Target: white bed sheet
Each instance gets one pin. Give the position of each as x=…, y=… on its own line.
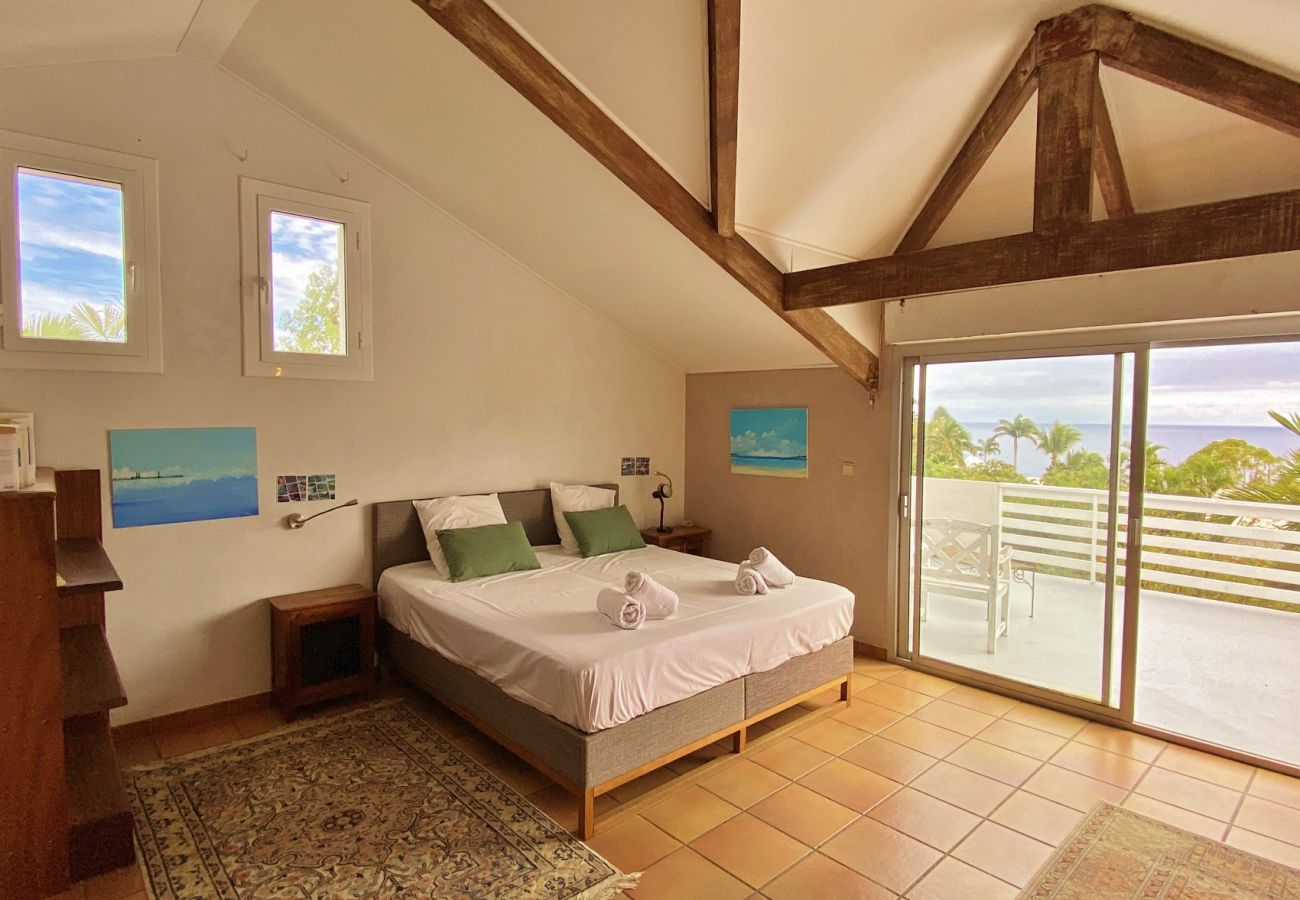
x=537, y=635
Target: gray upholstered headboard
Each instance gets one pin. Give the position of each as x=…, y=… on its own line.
x=398, y=538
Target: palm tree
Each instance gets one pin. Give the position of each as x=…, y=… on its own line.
x=1057, y=440
x=988, y=447
x=51, y=326
x=1017, y=428
x=947, y=439
x=1284, y=485
x=100, y=323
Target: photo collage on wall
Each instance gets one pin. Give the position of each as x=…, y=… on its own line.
x=634, y=465
x=300, y=488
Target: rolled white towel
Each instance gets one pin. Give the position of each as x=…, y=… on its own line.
x=660, y=602
x=749, y=582
x=772, y=569
x=622, y=609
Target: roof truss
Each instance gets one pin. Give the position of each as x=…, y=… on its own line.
x=1075, y=141
x=489, y=37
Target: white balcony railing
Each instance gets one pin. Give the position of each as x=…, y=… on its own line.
x=1203, y=546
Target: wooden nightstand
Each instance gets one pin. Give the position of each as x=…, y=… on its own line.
x=322, y=645
x=683, y=538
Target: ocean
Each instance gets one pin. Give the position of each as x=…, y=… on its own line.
x=161, y=502
x=1179, y=441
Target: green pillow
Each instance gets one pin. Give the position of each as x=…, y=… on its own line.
x=608, y=530
x=486, y=550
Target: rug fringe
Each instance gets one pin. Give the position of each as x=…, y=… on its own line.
x=611, y=887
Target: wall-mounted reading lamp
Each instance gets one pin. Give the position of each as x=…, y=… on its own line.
x=297, y=520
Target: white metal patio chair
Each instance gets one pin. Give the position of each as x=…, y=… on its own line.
x=962, y=559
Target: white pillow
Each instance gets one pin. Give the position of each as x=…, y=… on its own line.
x=576, y=498
x=455, y=512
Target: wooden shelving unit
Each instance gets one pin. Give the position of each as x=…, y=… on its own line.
x=61, y=770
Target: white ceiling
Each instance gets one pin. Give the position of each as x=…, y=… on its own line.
x=849, y=112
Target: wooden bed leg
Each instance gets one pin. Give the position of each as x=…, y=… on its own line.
x=739, y=740
x=587, y=815
x=846, y=690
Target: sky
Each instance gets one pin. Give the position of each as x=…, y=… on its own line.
x=769, y=432
x=1226, y=384
x=299, y=246
x=70, y=243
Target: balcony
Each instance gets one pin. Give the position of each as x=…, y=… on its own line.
x=1220, y=606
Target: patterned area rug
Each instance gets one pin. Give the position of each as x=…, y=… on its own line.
x=372, y=803
x=1115, y=854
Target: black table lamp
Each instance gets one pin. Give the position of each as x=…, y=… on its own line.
x=662, y=493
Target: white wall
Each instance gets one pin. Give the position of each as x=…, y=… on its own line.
x=486, y=377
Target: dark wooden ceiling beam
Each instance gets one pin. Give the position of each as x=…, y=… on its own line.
x=1248, y=226
x=1063, y=156
x=489, y=37
x=724, y=107
x=1107, y=162
x=1007, y=103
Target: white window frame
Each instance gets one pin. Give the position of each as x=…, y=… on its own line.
x=138, y=177
x=257, y=200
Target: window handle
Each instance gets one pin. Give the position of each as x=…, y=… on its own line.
x=263, y=289
x=130, y=274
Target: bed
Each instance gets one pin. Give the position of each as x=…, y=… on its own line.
x=526, y=659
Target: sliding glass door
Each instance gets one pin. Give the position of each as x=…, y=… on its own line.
x=1017, y=496
x=1118, y=531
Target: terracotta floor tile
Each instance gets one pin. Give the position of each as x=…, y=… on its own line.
x=688, y=813
x=921, y=816
x=1097, y=763
x=1269, y=819
x=562, y=806
x=818, y=877
x=258, y=721
x=483, y=749
x=1022, y=739
x=743, y=783
x=198, y=737
x=705, y=754
x=1214, y=769
x=1044, y=719
x=894, y=761
x=984, y=701
x=922, y=683
x=1037, y=817
x=1072, y=789
x=750, y=849
x=633, y=844
x=1003, y=853
x=1267, y=847
x=884, y=855
x=892, y=696
x=832, y=736
x=1176, y=816
x=115, y=885
x=849, y=785
x=929, y=739
x=971, y=791
x=953, y=878
x=862, y=682
x=785, y=717
x=875, y=668
x=1116, y=740
x=805, y=815
x=523, y=777
x=1189, y=793
x=791, y=758
x=685, y=875
x=136, y=751
x=953, y=717
x=1279, y=788
x=867, y=716
x=996, y=762
x=828, y=697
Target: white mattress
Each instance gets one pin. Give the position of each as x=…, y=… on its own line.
x=537, y=635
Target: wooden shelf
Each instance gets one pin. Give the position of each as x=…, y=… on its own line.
x=99, y=817
x=84, y=567
x=90, y=680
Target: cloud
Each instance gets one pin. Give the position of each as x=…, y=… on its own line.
x=50, y=235
x=769, y=443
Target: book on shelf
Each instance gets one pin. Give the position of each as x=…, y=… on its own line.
x=26, y=423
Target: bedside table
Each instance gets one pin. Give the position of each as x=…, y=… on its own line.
x=322, y=645
x=692, y=539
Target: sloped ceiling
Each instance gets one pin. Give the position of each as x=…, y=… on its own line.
x=849, y=112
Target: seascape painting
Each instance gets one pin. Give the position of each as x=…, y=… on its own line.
x=770, y=442
x=166, y=475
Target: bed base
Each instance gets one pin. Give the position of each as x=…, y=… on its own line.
x=589, y=765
